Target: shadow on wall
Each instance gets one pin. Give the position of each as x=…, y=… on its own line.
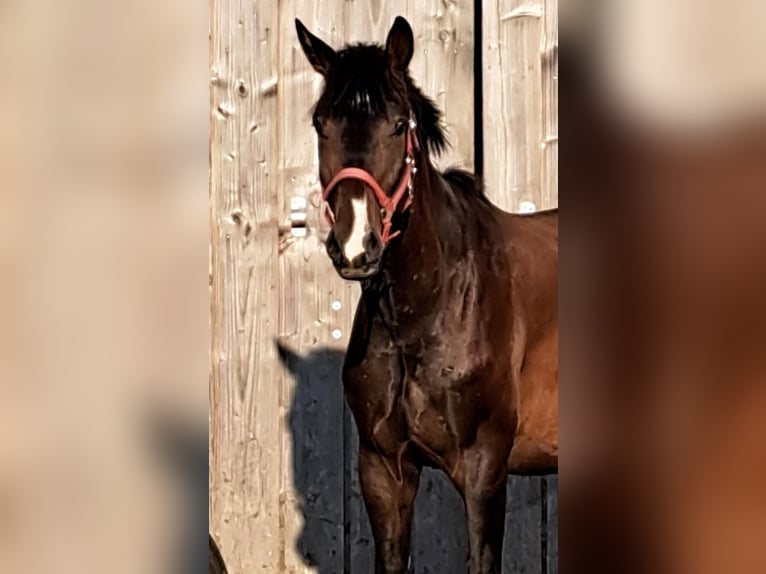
x=215, y=559
x=182, y=449
x=318, y=452
x=335, y=536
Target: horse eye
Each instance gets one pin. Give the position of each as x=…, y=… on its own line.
x=318, y=127
x=400, y=125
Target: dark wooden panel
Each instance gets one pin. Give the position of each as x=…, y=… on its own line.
x=360, y=549
x=315, y=421
x=439, y=534
x=552, y=507
x=523, y=523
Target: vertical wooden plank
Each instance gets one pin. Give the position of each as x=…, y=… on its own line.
x=512, y=104
x=443, y=67
x=245, y=433
x=550, y=92
x=316, y=311
x=523, y=527
x=439, y=534
x=360, y=548
x=552, y=518
x=313, y=473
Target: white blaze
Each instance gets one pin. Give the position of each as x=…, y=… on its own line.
x=354, y=245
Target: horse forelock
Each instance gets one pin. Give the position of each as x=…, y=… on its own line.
x=360, y=82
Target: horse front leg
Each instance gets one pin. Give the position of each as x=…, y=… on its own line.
x=390, y=504
x=484, y=492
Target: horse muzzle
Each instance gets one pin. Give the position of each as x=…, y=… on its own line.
x=361, y=266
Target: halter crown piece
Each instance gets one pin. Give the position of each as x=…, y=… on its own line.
x=389, y=204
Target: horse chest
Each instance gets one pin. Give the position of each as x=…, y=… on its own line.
x=428, y=420
x=423, y=409
x=432, y=394
x=440, y=407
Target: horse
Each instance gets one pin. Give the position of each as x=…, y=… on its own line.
x=452, y=361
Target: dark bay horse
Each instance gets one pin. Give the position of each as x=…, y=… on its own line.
x=453, y=358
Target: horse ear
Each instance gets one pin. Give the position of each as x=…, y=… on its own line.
x=400, y=44
x=287, y=356
x=320, y=55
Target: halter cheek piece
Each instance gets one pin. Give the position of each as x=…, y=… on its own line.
x=389, y=205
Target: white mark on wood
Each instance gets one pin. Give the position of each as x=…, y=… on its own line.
x=354, y=245
x=297, y=203
x=225, y=110
x=527, y=207
x=298, y=217
x=337, y=334
x=268, y=88
x=524, y=11
x=336, y=305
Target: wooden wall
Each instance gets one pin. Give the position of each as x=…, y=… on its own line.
x=520, y=102
x=284, y=492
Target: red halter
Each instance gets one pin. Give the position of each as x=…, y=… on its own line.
x=388, y=204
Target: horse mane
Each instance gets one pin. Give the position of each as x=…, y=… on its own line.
x=470, y=184
x=353, y=87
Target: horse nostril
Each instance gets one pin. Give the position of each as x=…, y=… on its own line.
x=333, y=248
x=373, y=246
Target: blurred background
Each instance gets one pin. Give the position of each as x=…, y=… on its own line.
x=663, y=355
x=103, y=298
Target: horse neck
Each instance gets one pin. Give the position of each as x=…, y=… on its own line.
x=416, y=265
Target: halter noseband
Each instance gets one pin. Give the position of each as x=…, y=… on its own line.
x=389, y=205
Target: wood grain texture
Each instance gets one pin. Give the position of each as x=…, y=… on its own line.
x=440, y=537
x=552, y=527
x=245, y=426
x=550, y=98
x=314, y=304
x=523, y=526
x=514, y=130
